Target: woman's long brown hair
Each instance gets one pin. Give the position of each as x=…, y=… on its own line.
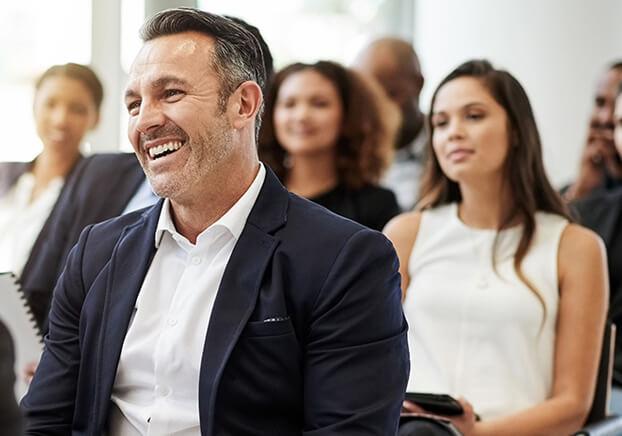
x=523, y=169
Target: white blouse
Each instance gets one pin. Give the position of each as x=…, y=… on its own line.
x=473, y=332
x=21, y=221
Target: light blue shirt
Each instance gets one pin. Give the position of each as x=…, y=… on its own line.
x=143, y=197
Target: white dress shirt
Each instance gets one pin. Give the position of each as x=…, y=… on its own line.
x=156, y=389
x=21, y=220
x=404, y=175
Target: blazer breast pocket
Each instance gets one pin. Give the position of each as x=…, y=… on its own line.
x=267, y=328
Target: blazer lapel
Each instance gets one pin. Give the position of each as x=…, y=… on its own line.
x=238, y=291
x=128, y=266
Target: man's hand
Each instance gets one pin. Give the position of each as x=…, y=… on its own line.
x=29, y=371
x=599, y=158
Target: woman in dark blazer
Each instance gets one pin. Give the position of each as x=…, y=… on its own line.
x=328, y=134
x=66, y=106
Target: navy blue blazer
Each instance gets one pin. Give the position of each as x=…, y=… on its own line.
x=335, y=362
x=98, y=188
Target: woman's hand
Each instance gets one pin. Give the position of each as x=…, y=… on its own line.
x=465, y=423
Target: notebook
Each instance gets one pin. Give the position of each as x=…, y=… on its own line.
x=27, y=339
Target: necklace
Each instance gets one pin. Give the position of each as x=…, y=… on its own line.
x=483, y=273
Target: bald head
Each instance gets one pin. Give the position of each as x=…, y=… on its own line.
x=389, y=53
x=395, y=65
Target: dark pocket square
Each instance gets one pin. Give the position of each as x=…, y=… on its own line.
x=268, y=327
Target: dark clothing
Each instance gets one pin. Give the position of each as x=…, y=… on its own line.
x=98, y=188
x=10, y=172
x=371, y=206
x=424, y=426
x=602, y=213
x=10, y=416
x=329, y=287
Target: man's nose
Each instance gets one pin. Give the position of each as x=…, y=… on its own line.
x=149, y=117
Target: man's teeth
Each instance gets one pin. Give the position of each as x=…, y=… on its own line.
x=169, y=147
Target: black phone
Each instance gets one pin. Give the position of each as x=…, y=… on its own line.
x=440, y=404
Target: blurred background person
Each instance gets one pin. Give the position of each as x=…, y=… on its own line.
x=506, y=300
x=66, y=107
x=601, y=211
x=395, y=65
x=328, y=135
x=10, y=416
x=600, y=167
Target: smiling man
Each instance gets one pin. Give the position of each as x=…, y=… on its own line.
x=232, y=306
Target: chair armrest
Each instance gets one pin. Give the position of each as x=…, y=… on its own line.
x=609, y=426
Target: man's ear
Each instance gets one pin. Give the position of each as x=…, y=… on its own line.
x=245, y=104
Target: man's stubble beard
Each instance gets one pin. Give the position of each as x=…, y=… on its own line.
x=207, y=153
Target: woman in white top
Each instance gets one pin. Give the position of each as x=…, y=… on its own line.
x=505, y=299
x=66, y=106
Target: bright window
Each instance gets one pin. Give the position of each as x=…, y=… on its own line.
x=31, y=40
x=308, y=30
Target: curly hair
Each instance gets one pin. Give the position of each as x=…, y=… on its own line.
x=370, y=123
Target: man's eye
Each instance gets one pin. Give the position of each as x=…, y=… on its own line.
x=171, y=93
x=133, y=107
x=599, y=101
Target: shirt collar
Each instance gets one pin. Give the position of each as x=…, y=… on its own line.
x=233, y=220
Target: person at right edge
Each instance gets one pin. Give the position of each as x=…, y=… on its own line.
x=602, y=212
x=506, y=298
x=600, y=168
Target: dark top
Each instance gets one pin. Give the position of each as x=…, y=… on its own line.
x=10, y=417
x=602, y=213
x=371, y=206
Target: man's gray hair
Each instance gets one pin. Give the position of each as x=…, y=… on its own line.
x=237, y=53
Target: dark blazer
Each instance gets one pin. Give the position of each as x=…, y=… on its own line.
x=10, y=172
x=10, y=416
x=335, y=362
x=98, y=188
x=602, y=213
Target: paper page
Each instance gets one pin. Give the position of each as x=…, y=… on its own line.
x=15, y=314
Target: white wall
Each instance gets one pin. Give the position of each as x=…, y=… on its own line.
x=556, y=49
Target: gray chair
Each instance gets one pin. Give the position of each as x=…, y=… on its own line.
x=599, y=422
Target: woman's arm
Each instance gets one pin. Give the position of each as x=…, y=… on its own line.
x=583, y=301
x=402, y=232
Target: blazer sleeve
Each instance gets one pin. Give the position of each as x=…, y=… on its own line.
x=357, y=360
x=48, y=407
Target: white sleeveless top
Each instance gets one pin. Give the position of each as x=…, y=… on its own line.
x=475, y=333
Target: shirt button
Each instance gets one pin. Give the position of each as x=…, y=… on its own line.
x=172, y=322
x=162, y=391
x=196, y=260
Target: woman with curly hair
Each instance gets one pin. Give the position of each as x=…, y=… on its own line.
x=328, y=134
